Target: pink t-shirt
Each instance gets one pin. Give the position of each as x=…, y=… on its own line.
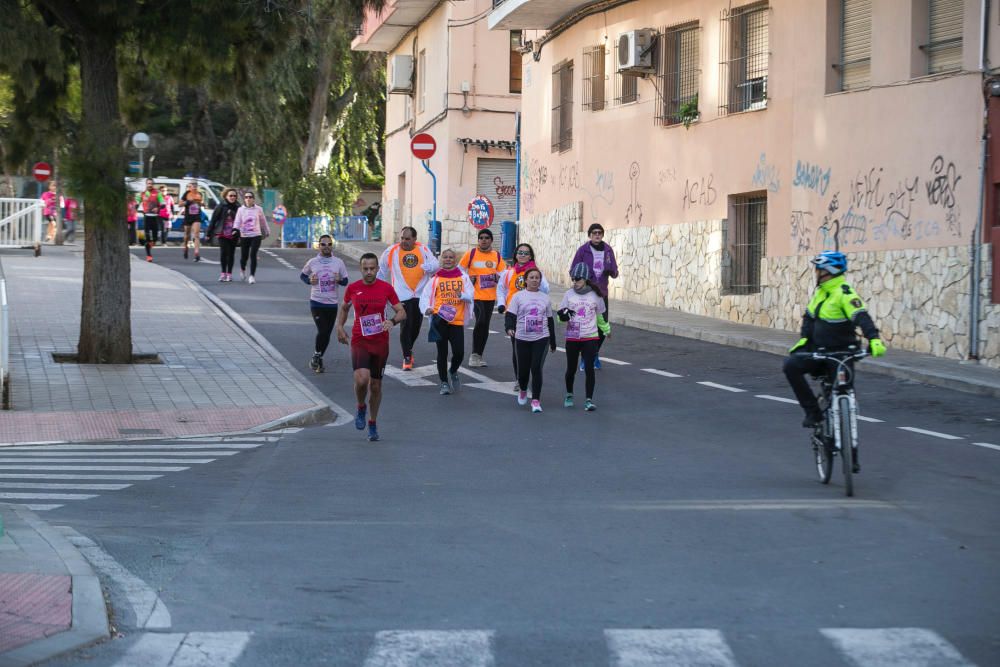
x=586, y=307
x=533, y=311
x=328, y=271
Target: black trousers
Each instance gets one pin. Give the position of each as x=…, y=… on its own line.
x=453, y=335
x=483, y=311
x=796, y=369
x=410, y=328
x=151, y=229
x=248, y=250
x=227, y=254
x=587, y=348
x=324, y=318
x=530, y=359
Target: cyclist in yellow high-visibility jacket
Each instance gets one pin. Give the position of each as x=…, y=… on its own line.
x=830, y=322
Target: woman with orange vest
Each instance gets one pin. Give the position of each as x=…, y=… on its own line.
x=511, y=282
x=406, y=266
x=483, y=265
x=445, y=299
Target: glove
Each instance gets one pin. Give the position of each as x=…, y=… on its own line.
x=565, y=314
x=501, y=309
x=801, y=343
x=876, y=347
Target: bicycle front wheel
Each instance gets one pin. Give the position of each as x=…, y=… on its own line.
x=846, y=442
x=823, y=453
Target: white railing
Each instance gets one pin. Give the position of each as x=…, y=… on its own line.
x=20, y=222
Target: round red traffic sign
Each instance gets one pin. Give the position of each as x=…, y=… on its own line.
x=423, y=146
x=481, y=212
x=42, y=171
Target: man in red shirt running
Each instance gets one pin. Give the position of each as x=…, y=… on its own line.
x=369, y=337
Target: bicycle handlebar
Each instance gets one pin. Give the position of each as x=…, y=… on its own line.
x=839, y=357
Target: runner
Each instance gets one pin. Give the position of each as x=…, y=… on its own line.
x=251, y=226
x=483, y=265
x=582, y=308
x=406, y=266
x=166, y=214
x=600, y=257
x=50, y=201
x=444, y=299
x=191, y=204
x=512, y=282
x=323, y=273
x=369, y=337
x=528, y=322
x=131, y=219
x=150, y=202
x=223, y=219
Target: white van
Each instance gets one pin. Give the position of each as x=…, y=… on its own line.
x=211, y=196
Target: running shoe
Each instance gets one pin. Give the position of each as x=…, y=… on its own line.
x=185, y=253
x=372, y=432
x=229, y=278
x=222, y=277
x=316, y=363
x=243, y=274
x=408, y=363
x=581, y=364
x=445, y=389
x=359, y=418
x=522, y=397
x=456, y=382
x=589, y=406
x=536, y=405
x=475, y=361
x=197, y=257
x=251, y=280
x=568, y=401
x=149, y=258
x=597, y=363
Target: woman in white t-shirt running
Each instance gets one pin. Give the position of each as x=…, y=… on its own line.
x=528, y=321
x=583, y=310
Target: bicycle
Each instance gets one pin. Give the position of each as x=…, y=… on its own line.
x=839, y=406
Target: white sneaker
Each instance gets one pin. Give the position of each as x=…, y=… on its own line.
x=475, y=361
x=243, y=274
x=222, y=278
x=251, y=280
x=522, y=397
x=536, y=406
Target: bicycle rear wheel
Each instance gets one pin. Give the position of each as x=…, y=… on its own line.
x=846, y=441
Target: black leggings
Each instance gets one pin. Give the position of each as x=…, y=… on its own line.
x=410, y=328
x=227, y=254
x=574, y=348
x=530, y=359
x=151, y=229
x=324, y=318
x=483, y=310
x=248, y=248
x=453, y=334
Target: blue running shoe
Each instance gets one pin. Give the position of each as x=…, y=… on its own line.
x=372, y=432
x=581, y=364
x=597, y=363
x=359, y=419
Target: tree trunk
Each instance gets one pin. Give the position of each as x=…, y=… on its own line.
x=319, y=127
x=105, y=324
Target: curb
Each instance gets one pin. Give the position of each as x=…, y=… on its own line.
x=90, y=616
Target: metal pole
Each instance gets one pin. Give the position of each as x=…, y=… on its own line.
x=517, y=153
x=434, y=214
x=142, y=165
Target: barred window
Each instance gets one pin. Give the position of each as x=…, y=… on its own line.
x=626, y=83
x=855, y=67
x=678, y=74
x=594, y=59
x=944, y=48
x=743, y=242
x=562, y=106
x=743, y=58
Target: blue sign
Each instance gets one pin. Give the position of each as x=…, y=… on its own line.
x=135, y=167
x=481, y=212
x=279, y=214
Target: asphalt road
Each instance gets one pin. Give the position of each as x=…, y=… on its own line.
x=677, y=505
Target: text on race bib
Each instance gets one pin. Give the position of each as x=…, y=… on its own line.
x=573, y=329
x=371, y=325
x=534, y=324
x=447, y=312
x=487, y=281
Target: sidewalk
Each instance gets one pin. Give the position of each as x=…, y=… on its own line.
x=948, y=373
x=201, y=388
x=50, y=599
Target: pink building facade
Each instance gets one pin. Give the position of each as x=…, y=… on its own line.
x=722, y=144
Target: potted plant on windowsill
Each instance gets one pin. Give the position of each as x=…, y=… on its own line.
x=688, y=112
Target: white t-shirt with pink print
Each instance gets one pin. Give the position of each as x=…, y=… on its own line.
x=533, y=310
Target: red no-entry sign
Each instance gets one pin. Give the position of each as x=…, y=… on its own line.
x=423, y=146
x=42, y=171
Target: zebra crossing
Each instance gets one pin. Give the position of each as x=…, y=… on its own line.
x=673, y=647
x=45, y=477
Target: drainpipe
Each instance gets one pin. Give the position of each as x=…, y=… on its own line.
x=977, y=234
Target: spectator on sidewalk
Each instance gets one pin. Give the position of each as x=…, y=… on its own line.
x=69, y=206
x=50, y=201
x=600, y=257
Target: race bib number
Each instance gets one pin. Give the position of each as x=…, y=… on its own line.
x=534, y=325
x=371, y=325
x=487, y=281
x=573, y=329
x=325, y=282
x=194, y=209
x=447, y=312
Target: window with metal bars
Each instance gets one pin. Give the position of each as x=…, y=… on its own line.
x=678, y=74
x=743, y=241
x=562, y=106
x=743, y=58
x=626, y=83
x=944, y=46
x=855, y=67
x=594, y=59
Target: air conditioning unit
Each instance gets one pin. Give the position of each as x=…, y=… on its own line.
x=635, y=51
x=401, y=74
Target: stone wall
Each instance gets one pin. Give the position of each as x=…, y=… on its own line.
x=918, y=298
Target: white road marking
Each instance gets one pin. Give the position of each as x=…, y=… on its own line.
x=39, y=508
x=870, y=419
x=150, y=612
x=486, y=383
x=724, y=387
x=93, y=460
x=289, y=429
x=780, y=399
x=616, y=362
x=894, y=647
x=657, y=371
x=750, y=505
x=987, y=445
x=236, y=440
x=676, y=648
x=935, y=434
x=43, y=452
x=65, y=486
x=132, y=478
x=95, y=468
x=7, y=495
x=137, y=448
x=194, y=649
x=409, y=378
x=432, y=648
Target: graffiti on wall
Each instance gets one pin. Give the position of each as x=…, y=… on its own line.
x=504, y=190
x=802, y=231
x=633, y=212
x=699, y=192
x=766, y=175
x=811, y=177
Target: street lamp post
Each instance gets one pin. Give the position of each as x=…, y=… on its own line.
x=141, y=141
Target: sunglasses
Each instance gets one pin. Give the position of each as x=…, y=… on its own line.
x=248, y=196
x=325, y=245
x=523, y=252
